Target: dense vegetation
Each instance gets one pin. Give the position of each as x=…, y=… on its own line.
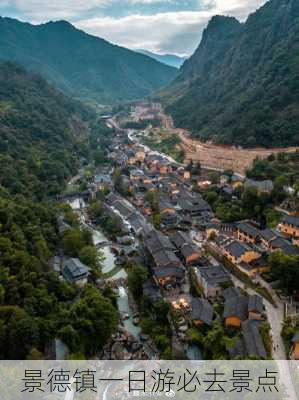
x=82, y=65
x=43, y=134
x=284, y=166
x=242, y=84
x=43, y=137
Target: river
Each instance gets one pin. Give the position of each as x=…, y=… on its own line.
x=109, y=266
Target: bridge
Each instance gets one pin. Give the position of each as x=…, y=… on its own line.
x=103, y=244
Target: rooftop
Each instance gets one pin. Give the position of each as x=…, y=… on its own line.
x=202, y=310
x=236, y=307
x=248, y=229
x=252, y=339
x=291, y=220
x=214, y=275
x=237, y=249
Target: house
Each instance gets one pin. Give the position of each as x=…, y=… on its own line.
x=255, y=307
x=267, y=236
x=235, y=311
x=75, y=271
x=166, y=258
x=237, y=252
x=212, y=280
x=230, y=293
x=169, y=219
x=190, y=253
x=156, y=241
x=266, y=186
x=247, y=233
x=201, y=312
x=257, y=266
x=250, y=344
x=290, y=226
x=228, y=229
x=169, y=276
x=253, y=340
x=295, y=347
x=180, y=238
x=195, y=207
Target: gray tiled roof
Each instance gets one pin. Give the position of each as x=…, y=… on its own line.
x=73, y=269
x=237, y=350
x=231, y=293
x=248, y=229
x=237, y=249
x=180, y=238
x=189, y=249
x=156, y=241
x=267, y=234
x=165, y=258
x=202, y=310
x=214, y=275
x=164, y=272
x=236, y=307
x=292, y=220
x=253, y=340
x=255, y=303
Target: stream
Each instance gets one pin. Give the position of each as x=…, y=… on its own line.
x=109, y=265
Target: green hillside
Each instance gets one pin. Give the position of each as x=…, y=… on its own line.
x=82, y=65
x=242, y=84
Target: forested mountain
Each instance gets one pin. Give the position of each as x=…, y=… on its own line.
x=242, y=84
x=43, y=135
x=81, y=65
x=168, y=59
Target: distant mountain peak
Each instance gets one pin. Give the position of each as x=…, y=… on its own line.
x=171, y=60
x=221, y=20
x=82, y=65
x=241, y=85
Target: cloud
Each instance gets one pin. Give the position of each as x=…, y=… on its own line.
x=174, y=32
x=157, y=25
x=150, y=32
x=41, y=10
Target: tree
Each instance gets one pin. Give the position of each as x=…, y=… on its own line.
x=161, y=310
x=94, y=320
x=137, y=276
x=213, y=342
x=89, y=255
x=284, y=268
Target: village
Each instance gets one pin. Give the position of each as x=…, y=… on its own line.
x=208, y=272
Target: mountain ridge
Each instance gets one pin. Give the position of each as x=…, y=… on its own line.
x=83, y=65
x=169, y=59
x=241, y=86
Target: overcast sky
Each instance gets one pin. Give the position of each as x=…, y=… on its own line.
x=163, y=26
